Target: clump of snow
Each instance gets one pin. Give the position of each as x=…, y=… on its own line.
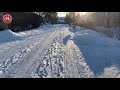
x=8, y=35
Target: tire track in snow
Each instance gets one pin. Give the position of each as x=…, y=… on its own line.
x=9, y=65
x=10, y=61
x=52, y=62
x=31, y=62
x=76, y=67
x=67, y=62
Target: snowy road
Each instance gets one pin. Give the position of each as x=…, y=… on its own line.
x=76, y=67
x=24, y=62
x=21, y=58
x=56, y=52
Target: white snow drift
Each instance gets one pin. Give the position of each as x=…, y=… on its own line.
x=101, y=53
x=8, y=35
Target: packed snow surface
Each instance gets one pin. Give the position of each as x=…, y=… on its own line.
x=58, y=51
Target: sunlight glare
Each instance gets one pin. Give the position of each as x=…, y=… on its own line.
x=83, y=13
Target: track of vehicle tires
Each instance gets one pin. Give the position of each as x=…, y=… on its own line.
x=49, y=57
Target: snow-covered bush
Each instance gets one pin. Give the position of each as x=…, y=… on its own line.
x=110, y=32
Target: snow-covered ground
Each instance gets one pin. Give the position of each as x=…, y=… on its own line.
x=57, y=51
x=101, y=53
x=16, y=55
x=8, y=35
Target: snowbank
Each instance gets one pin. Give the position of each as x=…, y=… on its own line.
x=37, y=31
x=100, y=52
x=30, y=33
x=8, y=35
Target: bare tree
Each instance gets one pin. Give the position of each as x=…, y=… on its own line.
x=107, y=18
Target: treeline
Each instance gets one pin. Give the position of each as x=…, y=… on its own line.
x=107, y=19
x=105, y=22
x=28, y=20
